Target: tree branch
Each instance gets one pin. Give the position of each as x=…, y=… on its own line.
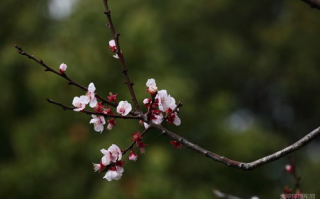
x=70, y=81
x=236, y=164
x=64, y=107
x=313, y=3
x=120, y=55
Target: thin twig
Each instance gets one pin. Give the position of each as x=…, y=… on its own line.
x=63, y=75
x=294, y=173
x=120, y=55
x=236, y=164
x=313, y=3
x=64, y=107
x=134, y=142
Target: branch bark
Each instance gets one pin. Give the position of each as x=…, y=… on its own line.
x=236, y=164
x=120, y=55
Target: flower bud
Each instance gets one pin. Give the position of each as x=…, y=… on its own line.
x=63, y=68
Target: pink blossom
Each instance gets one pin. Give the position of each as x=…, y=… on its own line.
x=80, y=102
x=124, y=108
x=133, y=156
x=91, y=95
x=157, y=118
x=111, y=124
x=165, y=101
x=96, y=167
x=152, y=87
x=147, y=101
x=63, y=68
x=112, y=45
x=173, y=117
x=114, y=173
x=98, y=122
x=115, y=153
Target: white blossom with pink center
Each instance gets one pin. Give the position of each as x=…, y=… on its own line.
x=114, y=173
x=152, y=87
x=98, y=122
x=176, y=119
x=165, y=101
x=115, y=153
x=91, y=95
x=80, y=102
x=124, y=108
x=157, y=119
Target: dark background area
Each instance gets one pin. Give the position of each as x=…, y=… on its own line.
x=247, y=73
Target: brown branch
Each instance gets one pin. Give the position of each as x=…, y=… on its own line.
x=70, y=81
x=313, y=3
x=121, y=57
x=236, y=164
x=64, y=107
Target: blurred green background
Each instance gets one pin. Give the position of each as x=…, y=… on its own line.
x=247, y=73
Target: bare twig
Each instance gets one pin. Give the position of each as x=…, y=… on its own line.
x=64, y=107
x=70, y=81
x=236, y=164
x=313, y=3
x=120, y=55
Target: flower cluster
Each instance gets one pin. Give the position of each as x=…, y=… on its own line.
x=111, y=163
x=161, y=102
x=99, y=121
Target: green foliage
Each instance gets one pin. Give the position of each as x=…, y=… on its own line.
x=247, y=73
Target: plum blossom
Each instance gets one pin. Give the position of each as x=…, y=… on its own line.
x=123, y=108
x=152, y=87
x=63, y=68
x=112, y=45
x=115, y=153
x=98, y=122
x=96, y=167
x=165, y=101
x=173, y=117
x=112, y=161
x=80, y=102
x=157, y=118
x=111, y=124
x=133, y=156
x=115, y=172
x=91, y=95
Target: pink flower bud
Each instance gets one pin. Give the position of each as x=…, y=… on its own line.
x=289, y=168
x=63, y=68
x=133, y=156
